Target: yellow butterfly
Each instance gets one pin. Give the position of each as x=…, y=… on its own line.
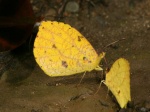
x=118, y=81
x=61, y=50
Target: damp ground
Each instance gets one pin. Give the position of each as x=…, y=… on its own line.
x=24, y=87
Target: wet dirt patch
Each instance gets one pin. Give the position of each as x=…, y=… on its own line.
x=27, y=89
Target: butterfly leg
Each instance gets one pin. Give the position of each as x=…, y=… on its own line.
x=99, y=87
x=81, y=78
x=103, y=81
x=107, y=93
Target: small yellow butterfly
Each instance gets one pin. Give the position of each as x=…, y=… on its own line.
x=61, y=50
x=118, y=81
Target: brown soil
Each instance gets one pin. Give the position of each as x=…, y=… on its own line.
x=25, y=88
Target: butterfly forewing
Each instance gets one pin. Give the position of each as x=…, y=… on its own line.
x=61, y=50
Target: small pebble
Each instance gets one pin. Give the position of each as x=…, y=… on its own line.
x=72, y=6
x=143, y=109
x=50, y=14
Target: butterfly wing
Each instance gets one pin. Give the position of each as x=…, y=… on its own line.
x=118, y=81
x=61, y=50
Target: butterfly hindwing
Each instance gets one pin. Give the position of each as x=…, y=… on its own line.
x=61, y=50
x=118, y=81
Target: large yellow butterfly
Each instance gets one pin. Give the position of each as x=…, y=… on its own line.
x=118, y=81
x=61, y=50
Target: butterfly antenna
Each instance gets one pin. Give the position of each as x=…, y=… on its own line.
x=114, y=42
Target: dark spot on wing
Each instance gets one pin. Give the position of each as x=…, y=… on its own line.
x=86, y=60
x=90, y=61
x=119, y=92
x=54, y=46
x=79, y=38
x=64, y=64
